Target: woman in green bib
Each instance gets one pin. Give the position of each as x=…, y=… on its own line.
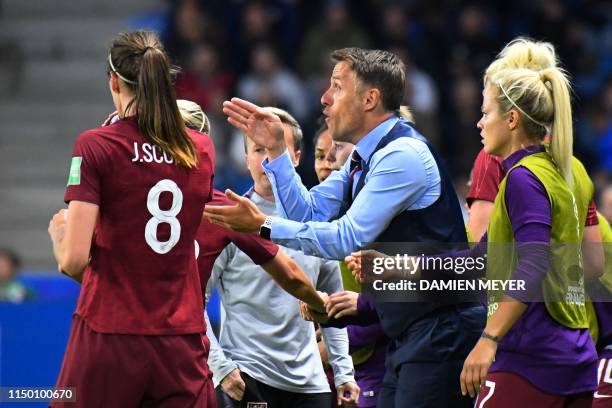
x=536, y=347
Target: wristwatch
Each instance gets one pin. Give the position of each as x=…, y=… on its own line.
x=266, y=228
x=486, y=335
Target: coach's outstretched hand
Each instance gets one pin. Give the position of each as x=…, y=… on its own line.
x=242, y=217
x=262, y=127
x=361, y=264
x=353, y=262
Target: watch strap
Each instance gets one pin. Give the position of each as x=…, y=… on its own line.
x=486, y=335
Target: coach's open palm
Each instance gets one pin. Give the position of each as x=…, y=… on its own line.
x=261, y=126
x=242, y=217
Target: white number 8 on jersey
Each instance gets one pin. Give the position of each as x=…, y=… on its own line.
x=161, y=216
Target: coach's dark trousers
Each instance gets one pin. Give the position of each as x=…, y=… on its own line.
x=260, y=395
x=424, y=363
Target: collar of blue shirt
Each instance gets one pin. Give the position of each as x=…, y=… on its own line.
x=365, y=147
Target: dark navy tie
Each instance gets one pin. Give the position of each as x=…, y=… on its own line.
x=355, y=164
x=354, y=168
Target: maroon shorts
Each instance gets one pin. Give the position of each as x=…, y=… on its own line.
x=122, y=370
x=603, y=396
x=509, y=390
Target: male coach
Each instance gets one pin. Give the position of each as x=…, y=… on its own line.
x=394, y=189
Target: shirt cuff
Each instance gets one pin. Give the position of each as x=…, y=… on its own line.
x=280, y=169
x=284, y=229
x=343, y=379
x=222, y=372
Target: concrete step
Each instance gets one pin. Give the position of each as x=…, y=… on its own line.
x=65, y=37
x=49, y=8
x=29, y=206
x=32, y=244
x=20, y=132
x=59, y=120
x=81, y=80
x=24, y=217
x=36, y=140
x=34, y=165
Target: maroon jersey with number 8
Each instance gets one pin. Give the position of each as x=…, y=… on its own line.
x=142, y=277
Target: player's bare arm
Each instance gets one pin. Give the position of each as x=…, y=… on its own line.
x=72, y=241
x=292, y=278
x=478, y=362
x=593, y=253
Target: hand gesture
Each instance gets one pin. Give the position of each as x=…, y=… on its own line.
x=361, y=264
x=262, y=127
x=233, y=385
x=476, y=366
x=348, y=388
x=57, y=225
x=312, y=315
x=353, y=262
x=243, y=217
x=342, y=304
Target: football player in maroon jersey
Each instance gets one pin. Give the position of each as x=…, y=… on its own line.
x=134, y=190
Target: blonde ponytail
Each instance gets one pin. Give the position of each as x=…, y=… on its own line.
x=542, y=99
x=528, y=80
x=193, y=116
x=405, y=113
x=561, y=132
x=523, y=53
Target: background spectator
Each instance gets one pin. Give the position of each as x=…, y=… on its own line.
x=11, y=290
x=270, y=83
x=278, y=51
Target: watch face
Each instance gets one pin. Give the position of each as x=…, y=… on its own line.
x=264, y=232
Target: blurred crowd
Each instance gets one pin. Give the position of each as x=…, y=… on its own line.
x=276, y=53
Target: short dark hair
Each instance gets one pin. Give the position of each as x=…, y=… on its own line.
x=381, y=69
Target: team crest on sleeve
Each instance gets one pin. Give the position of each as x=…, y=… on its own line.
x=74, y=176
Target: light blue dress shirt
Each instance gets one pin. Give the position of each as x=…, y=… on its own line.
x=403, y=176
